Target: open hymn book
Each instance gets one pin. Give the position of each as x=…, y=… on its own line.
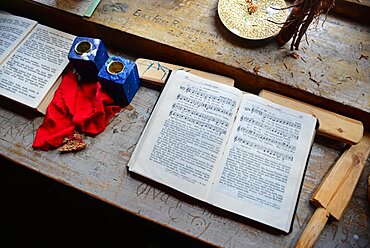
x=32, y=59
x=229, y=148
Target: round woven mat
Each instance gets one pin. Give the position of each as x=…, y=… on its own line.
x=261, y=24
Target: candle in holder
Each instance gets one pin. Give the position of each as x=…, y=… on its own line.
x=87, y=55
x=120, y=78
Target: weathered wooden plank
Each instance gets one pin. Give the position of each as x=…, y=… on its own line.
x=355, y=9
x=332, y=70
x=329, y=67
x=100, y=170
x=194, y=37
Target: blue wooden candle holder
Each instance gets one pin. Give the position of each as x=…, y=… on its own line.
x=120, y=78
x=87, y=56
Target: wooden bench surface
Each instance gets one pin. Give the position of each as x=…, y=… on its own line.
x=100, y=170
x=332, y=70
x=330, y=73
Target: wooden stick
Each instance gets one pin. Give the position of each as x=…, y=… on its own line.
x=336, y=189
x=339, y=184
x=313, y=229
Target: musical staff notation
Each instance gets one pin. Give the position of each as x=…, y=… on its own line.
x=264, y=137
x=200, y=104
x=272, y=129
x=266, y=150
x=195, y=91
x=256, y=110
x=192, y=112
x=204, y=124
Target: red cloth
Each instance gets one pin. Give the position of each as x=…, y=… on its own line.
x=85, y=108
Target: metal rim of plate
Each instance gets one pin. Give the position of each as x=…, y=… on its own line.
x=262, y=24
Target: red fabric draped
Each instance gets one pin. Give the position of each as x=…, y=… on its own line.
x=85, y=108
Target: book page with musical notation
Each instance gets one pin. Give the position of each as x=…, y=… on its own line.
x=186, y=133
x=264, y=162
x=232, y=149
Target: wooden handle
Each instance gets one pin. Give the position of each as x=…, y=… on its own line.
x=336, y=189
x=313, y=228
x=156, y=72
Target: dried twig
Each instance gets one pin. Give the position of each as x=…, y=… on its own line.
x=303, y=13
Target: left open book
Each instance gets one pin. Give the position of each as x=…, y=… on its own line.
x=32, y=59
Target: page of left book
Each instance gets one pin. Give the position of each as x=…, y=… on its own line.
x=32, y=57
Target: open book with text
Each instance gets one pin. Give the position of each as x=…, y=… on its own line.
x=32, y=59
x=226, y=147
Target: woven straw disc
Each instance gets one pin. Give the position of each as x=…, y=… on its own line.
x=259, y=25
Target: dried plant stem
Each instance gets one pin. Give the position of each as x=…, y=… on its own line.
x=301, y=16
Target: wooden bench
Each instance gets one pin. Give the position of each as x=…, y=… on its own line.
x=330, y=73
